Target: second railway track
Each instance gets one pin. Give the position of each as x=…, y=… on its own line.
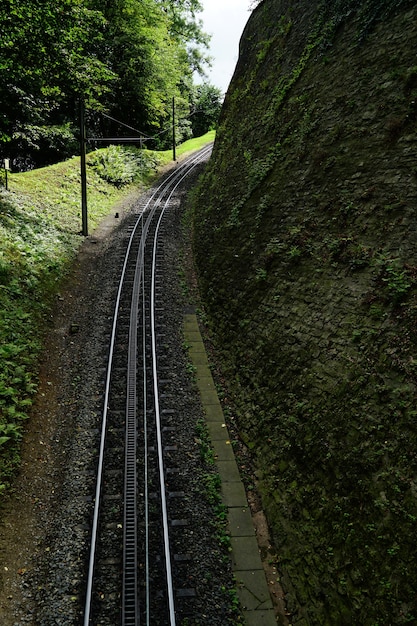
x=137, y=571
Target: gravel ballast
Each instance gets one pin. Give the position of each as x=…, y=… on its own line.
x=44, y=537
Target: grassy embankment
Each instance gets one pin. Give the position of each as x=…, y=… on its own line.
x=40, y=225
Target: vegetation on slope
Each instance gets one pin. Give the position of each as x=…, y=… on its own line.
x=40, y=227
x=308, y=210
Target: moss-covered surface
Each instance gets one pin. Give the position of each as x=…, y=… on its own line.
x=308, y=210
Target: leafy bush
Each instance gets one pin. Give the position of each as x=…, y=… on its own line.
x=120, y=165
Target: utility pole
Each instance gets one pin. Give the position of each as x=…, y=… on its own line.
x=173, y=130
x=83, y=141
x=6, y=164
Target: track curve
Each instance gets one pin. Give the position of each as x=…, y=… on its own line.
x=133, y=455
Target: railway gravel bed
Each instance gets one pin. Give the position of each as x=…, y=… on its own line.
x=44, y=537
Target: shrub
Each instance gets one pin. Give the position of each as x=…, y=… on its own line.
x=121, y=165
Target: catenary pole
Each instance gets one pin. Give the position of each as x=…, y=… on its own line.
x=174, y=155
x=83, y=140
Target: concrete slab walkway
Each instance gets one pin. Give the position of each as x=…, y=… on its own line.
x=252, y=587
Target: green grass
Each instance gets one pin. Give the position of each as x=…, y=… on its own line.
x=188, y=146
x=40, y=224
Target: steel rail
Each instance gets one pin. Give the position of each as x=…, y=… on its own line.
x=170, y=586
x=129, y=589
x=191, y=162
x=179, y=179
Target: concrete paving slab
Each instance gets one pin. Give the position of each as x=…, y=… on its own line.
x=193, y=336
x=217, y=431
x=214, y=412
x=253, y=589
x=252, y=586
x=228, y=471
x=223, y=450
x=260, y=618
x=203, y=372
x=233, y=494
x=191, y=323
x=209, y=396
x=196, y=347
x=205, y=383
x=191, y=329
x=198, y=359
x=245, y=553
x=240, y=522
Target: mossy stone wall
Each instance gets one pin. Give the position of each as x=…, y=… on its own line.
x=306, y=244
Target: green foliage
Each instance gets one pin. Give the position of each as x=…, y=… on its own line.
x=368, y=12
x=39, y=237
x=263, y=48
x=33, y=255
x=9, y=431
x=206, y=107
x=396, y=281
x=120, y=166
x=212, y=486
x=261, y=274
x=50, y=56
x=53, y=143
x=128, y=57
x=147, y=62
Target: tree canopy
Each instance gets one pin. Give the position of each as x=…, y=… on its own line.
x=207, y=103
x=128, y=58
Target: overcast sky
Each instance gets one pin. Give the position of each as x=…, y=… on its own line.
x=224, y=20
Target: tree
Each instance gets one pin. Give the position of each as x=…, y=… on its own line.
x=126, y=57
x=49, y=57
x=152, y=53
x=155, y=49
x=207, y=104
x=187, y=30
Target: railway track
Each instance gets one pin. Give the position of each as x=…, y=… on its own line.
x=137, y=573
